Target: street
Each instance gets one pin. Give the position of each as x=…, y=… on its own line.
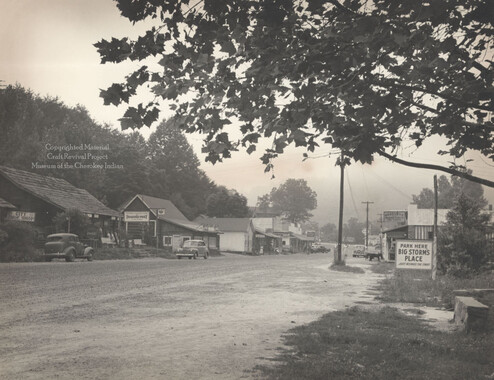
x=163, y=319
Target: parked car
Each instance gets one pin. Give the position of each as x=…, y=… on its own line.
x=66, y=246
x=193, y=249
x=319, y=247
x=358, y=251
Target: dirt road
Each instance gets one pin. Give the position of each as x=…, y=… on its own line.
x=162, y=319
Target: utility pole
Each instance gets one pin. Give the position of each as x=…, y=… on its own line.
x=434, y=238
x=337, y=258
x=381, y=234
x=367, y=224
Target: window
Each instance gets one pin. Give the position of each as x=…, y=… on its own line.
x=167, y=241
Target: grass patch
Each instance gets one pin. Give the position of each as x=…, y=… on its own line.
x=418, y=287
x=379, y=344
x=342, y=267
x=383, y=268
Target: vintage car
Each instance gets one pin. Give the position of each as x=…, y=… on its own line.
x=66, y=246
x=193, y=249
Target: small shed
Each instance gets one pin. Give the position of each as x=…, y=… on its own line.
x=158, y=222
x=237, y=234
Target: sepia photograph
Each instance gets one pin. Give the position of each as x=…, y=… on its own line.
x=246, y=189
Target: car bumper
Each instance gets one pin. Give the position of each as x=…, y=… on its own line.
x=185, y=254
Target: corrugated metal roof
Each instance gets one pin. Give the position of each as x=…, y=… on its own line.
x=5, y=204
x=57, y=191
x=226, y=224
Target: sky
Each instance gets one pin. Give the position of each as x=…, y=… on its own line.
x=47, y=47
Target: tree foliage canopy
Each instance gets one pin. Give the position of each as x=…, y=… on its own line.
x=449, y=191
x=224, y=203
x=165, y=166
x=294, y=198
x=463, y=244
x=362, y=76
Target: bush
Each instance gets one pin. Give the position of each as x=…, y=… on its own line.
x=79, y=222
x=17, y=242
x=463, y=246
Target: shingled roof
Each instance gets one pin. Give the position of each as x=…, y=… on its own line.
x=56, y=191
x=153, y=203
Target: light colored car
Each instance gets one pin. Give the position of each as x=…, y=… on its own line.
x=66, y=246
x=193, y=249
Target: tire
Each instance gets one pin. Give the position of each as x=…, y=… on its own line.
x=47, y=259
x=70, y=257
x=179, y=257
x=90, y=256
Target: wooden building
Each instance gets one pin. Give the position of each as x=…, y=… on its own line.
x=37, y=199
x=155, y=221
x=5, y=209
x=237, y=234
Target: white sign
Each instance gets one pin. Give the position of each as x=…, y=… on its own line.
x=414, y=254
x=136, y=216
x=21, y=216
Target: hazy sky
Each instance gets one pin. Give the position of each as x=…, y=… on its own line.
x=47, y=46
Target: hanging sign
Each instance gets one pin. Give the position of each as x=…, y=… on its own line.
x=136, y=216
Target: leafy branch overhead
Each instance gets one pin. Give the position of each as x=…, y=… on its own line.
x=362, y=76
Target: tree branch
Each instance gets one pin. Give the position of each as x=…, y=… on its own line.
x=391, y=83
x=455, y=172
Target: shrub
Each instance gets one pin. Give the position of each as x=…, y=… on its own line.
x=79, y=222
x=463, y=246
x=17, y=242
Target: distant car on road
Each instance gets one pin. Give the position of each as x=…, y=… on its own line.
x=193, y=249
x=320, y=247
x=66, y=246
x=358, y=251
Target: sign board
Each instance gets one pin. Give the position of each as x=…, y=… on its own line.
x=161, y=212
x=395, y=216
x=414, y=254
x=21, y=216
x=136, y=216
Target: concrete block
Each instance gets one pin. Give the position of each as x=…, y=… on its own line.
x=470, y=314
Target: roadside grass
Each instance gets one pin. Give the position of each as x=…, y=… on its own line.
x=418, y=287
x=379, y=344
x=382, y=342
x=342, y=267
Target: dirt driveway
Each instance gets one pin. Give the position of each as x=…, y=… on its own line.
x=163, y=319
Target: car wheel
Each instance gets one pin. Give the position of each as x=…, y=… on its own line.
x=179, y=257
x=90, y=257
x=190, y=257
x=70, y=256
x=48, y=259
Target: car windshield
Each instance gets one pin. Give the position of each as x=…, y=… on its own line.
x=190, y=243
x=54, y=238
